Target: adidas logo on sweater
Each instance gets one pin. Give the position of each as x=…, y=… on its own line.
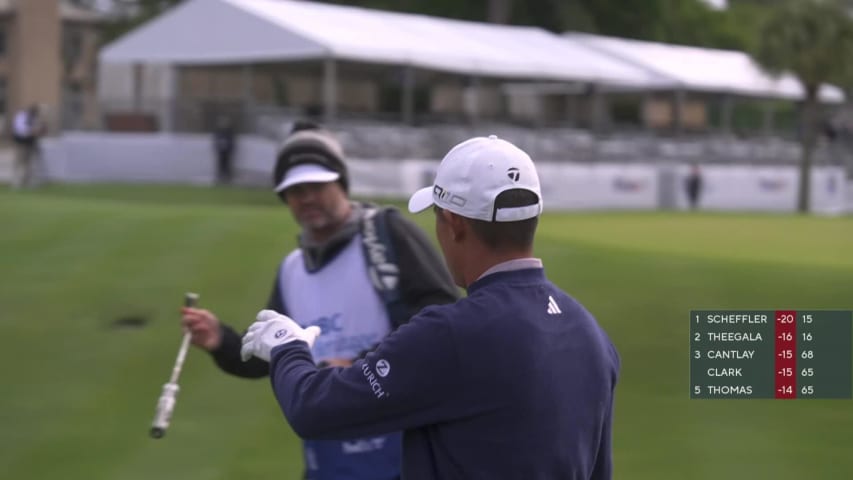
x=553, y=308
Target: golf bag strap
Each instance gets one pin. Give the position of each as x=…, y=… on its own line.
x=381, y=258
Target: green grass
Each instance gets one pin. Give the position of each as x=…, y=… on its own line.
x=78, y=394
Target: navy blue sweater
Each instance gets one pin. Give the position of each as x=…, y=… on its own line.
x=515, y=381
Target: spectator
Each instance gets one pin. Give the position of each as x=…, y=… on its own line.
x=224, y=143
x=27, y=128
x=693, y=186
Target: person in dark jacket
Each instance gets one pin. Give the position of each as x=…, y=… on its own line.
x=360, y=272
x=224, y=144
x=515, y=381
x=693, y=186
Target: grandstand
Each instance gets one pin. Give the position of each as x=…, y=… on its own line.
x=390, y=140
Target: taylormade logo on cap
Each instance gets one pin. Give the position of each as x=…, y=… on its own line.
x=474, y=173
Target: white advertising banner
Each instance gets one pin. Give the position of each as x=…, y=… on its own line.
x=150, y=158
x=764, y=188
x=165, y=158
x=129, y=157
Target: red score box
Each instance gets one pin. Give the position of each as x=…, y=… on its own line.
x=786, y=354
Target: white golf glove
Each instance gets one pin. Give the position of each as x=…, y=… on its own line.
x=271, y=330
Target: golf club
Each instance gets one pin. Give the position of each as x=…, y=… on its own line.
x=166, y=403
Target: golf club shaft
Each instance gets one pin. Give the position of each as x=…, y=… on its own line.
x=190, y=300
x=166, y=402
x=179, y=362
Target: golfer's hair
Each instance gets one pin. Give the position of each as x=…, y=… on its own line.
x=508, y=235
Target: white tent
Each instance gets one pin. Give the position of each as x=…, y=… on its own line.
x=704, y=69
x=246, y=31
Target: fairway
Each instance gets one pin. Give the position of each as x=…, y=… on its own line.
x=93, y=276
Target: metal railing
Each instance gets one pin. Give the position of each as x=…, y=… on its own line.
x=381, y=135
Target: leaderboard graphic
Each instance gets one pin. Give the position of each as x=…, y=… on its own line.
x=781, y=354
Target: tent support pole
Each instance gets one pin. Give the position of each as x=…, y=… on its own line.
x=473, y=103
x=408, y=92
x=247, y=79
x=769, y=118
x=570, y=115
x=726, y=114
x=597, y=123
x=646, y=105
x=170, y=117
x=138, y=81
x=330, y=91
x=678, y=111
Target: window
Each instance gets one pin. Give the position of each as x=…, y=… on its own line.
x=73, y=106
x=72, y=46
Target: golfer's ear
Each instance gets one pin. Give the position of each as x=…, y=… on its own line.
x=458, y=224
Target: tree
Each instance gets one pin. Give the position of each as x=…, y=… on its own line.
x=498, y=11
x=127, y=14
x=811, y=39
x=686, y=22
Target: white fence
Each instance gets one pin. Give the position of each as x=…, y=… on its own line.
x=167, y=158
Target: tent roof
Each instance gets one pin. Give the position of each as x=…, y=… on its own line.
x=244, y=31
x=199, y=32
x=704, y=69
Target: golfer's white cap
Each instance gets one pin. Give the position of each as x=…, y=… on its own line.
x=474, y=173
x=306, y=173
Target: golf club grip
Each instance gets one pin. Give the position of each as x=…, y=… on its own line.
x=190, y=299
x=165, y=407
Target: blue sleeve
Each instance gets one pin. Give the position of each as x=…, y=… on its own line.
x=402, y=384
x=603, y=469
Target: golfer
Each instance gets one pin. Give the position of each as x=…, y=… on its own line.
x=515, y=381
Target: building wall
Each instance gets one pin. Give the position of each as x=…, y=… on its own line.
x=6, y=68
x=48, y=61
x=37, y=67
x=78, y=50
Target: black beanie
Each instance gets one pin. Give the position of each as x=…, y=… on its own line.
x=308, y=142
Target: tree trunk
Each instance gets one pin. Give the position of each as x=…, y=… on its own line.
x=809, y=141
x=499, y=11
